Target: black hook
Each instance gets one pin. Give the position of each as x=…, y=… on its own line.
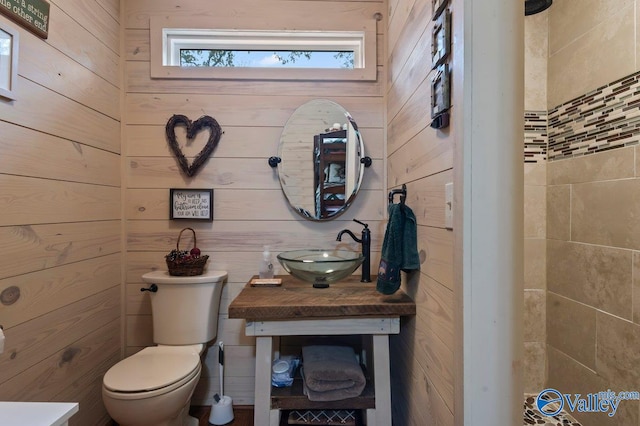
x=402, y=192
x=152, y=288
x=366, y=161
x=274, y=161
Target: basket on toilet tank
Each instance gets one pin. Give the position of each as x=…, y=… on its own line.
x=186, y=262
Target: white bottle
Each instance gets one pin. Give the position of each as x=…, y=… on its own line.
x=266, y=265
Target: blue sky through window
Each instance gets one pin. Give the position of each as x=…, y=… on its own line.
x=279, y=59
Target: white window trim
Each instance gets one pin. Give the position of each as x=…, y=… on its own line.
x=169, y=34
x=174, y=40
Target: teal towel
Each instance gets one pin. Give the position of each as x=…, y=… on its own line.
x=399, y=248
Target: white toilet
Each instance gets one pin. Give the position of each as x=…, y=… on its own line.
x=154, y=386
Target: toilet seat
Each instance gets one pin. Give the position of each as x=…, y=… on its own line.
x=152, y=371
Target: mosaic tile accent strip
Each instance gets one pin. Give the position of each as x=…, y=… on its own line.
x=535, y=136
x=533, y=417
x=604, y=119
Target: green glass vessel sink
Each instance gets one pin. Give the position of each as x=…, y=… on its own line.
x=320, y=267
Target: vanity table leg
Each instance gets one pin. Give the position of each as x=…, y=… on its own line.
x=382, y=382
x=263, y=415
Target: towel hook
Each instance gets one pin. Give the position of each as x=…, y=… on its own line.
x=402, y=192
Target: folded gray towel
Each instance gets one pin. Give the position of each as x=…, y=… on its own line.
x=331, y=373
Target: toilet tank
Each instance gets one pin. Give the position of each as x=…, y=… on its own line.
x=185, y=309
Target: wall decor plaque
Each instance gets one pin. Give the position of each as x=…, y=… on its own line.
x=193, y=127
x=440, y=98
x=192, y=204
x=30, y=14
x=441, y=39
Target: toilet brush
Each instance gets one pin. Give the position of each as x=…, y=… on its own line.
x=222, y=407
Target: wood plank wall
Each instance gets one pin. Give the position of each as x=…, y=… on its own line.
x=423, y=354
x=249, y=207
x=60, y=228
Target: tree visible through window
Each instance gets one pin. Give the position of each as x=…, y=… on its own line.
x=266, y=58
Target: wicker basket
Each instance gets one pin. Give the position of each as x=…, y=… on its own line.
x=182, y=263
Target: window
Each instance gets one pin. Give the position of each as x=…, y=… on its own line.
x=291, y=49
x=262, y=54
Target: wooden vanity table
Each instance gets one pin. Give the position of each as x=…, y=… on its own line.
x=295, y=308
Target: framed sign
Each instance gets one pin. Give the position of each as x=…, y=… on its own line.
x=441, y=39
x=8, y=61
x=30, y=14
x=192, y=204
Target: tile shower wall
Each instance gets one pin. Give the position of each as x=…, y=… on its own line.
x=593, y=266
x=593, y=202
x=593, y=257
x=587, y=193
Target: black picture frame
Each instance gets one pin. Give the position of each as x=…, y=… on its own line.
x=440, y=91
x=437, y=7
x=441, y=39
x=191, y=204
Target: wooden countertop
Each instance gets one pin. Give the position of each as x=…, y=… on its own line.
x=298, y=299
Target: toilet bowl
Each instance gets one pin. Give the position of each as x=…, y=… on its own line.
x=153, y=387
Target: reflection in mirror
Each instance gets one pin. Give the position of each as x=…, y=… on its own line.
x=320, y=167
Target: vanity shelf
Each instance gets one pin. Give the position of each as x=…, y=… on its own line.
x=293, y=398
x=348, y=307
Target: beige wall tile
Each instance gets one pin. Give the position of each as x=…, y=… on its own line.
x=603, y=54
x=536, y=52
x=534, y=316
x=636, y=287
x=614, y=164
x=535, y=173
x=535, y=224
x=535, y=366
x=569, y=376
x=535, y=263
x=618, y=351
x=594, y=275
x=571, y=328
x=606, y=213
x=558, y=212
x=571, y=19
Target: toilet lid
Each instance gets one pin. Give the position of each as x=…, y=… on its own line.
x=152, y=368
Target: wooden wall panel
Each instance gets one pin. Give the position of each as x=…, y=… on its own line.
x=41, y=109
x=423, y=159
x=248, y=14
x=66, y=76
x=24, y=199
x=47, y=334
x=64, y=368
x=92, y=53
x=45, y=291
x=61, y=227
x=52, y=157
x=35, y=247
x=249, y=207
x=231, y=110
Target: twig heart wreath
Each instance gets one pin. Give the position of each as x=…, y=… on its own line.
x=215, y=132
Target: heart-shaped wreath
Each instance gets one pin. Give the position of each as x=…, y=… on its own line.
x=192, y=129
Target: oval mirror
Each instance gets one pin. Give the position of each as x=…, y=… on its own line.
x=320, y=167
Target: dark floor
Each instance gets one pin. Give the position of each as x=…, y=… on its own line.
x=242, y=415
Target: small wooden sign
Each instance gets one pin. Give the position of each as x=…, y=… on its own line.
x=30, y=14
